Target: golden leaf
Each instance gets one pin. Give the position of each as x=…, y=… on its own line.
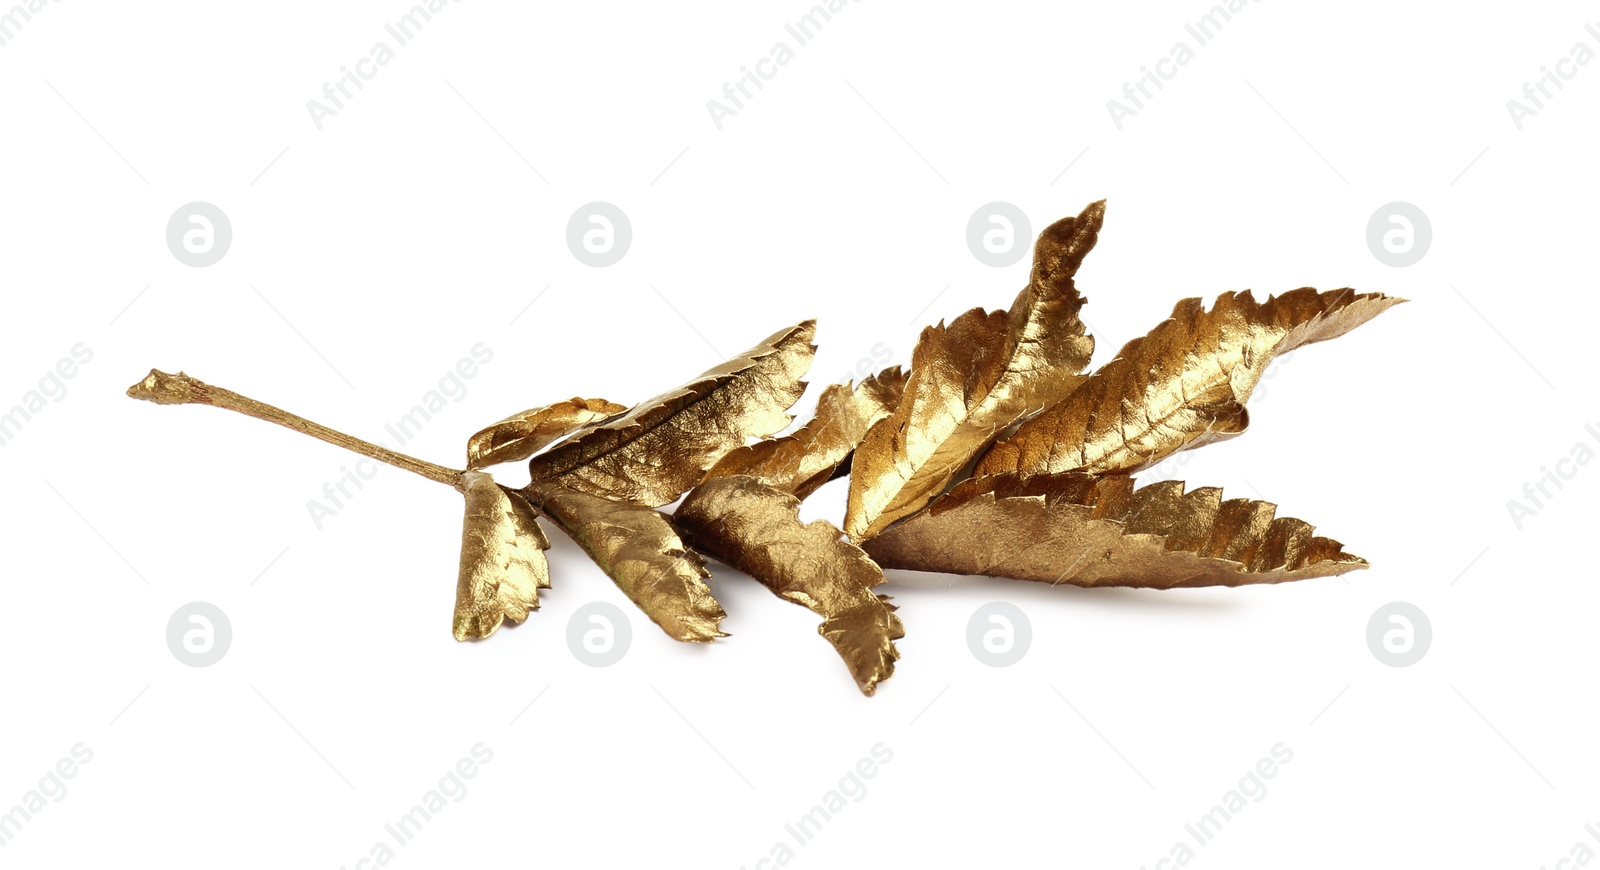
x=661, y=448
x=502, y=558
x=519, y=436
x=755, y=528
x=971, y=380
x=1184, y=385
x=999, y=393
x=1089, y=530
x=638, y=548
x=800, y=462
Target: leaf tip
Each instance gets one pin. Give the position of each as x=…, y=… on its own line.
x=865, y=640
x=1355, y=563
x=700, y=629
x=473, y=626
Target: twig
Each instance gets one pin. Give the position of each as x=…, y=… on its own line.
x=180, y=389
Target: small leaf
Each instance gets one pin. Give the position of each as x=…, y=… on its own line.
x=1099, y=531
x=973, y=379
x=638, y=548
x=661, y=448
x=1182, y=386
x=519, y=436
x=502, y=559
x=800, y=462
x=755, y=528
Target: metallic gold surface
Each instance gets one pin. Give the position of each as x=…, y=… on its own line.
x=641, y=552
x=180, y=389
x=1182, y=386
x=661, y=448
x=519, y=436
x=994, y=455
x=800, y=462
x=1099, y=531
x=755, y=528
x=502, y=559
x=974, y=378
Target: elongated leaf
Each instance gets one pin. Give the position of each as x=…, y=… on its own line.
x=502, y=559
x=1182, y=386
x=971, y=380
x=1099, y=531
x=519, y=436
x=800, y=462
x=753, y=527
x=642, y=553
x=661, y=448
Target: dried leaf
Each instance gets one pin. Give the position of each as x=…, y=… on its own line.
x=661, y=448
x=519, y=436
x=1002, y=393
x=502, y=558
x=800, y=462
x=1184, y=385
x=971, y=380
x=755, y=528
x=638, y=548
x=1089, y=530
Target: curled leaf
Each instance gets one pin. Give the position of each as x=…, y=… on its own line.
x=662, y=447
x=519, y=436
x=800, y=462
x=502, y=558
x=973, y=379
x=1089, y=530
x=755, y=528
x=1184, y=385
x=638, y=548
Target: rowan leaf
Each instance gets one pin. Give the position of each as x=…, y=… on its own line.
x=756, y=528
x=519, y=436
x=1090, y=530
x=662, y=447
x=997, y=394
x=1182, y=386
x=502, y=558
x=642, y=553
x=815, y=453
x=973, y=379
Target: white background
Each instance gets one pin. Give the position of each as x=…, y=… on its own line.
x=373, y=253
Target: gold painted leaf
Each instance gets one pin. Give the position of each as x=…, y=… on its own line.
x=1182, y=386
x=755, y=528
x=661, y=448
x=800, y=462
x=973, y=379
x=502, y=558
x=519, y=436
x=642, y=553
x=1089, y=530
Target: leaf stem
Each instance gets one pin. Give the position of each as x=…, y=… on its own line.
x=180, y=389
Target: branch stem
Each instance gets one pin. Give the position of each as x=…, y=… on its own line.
x=180, y=389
